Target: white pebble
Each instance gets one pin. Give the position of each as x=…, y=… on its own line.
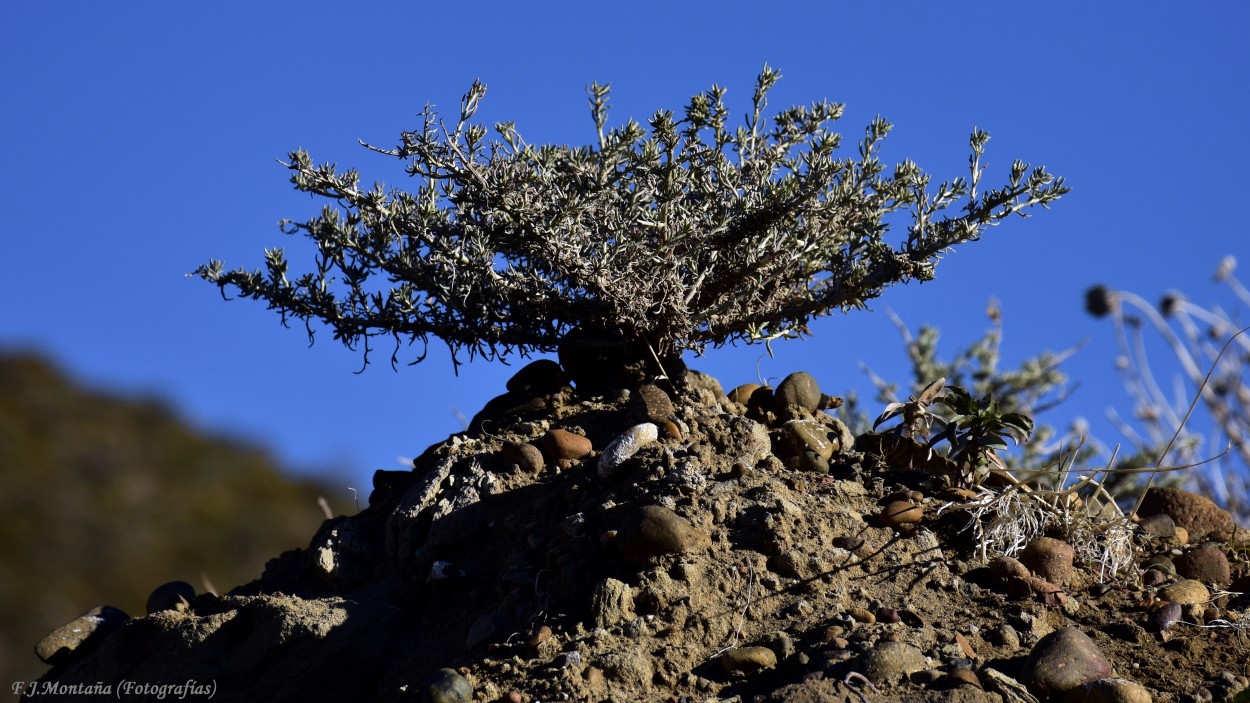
x=625, y=446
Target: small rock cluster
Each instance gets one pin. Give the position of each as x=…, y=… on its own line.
x=668, y=541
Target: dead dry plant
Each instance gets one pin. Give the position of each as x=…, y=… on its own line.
x=1196, y=336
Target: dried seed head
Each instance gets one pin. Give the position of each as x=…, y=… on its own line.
x=1225, y=269
x=1100, y=301
x=1171, y=302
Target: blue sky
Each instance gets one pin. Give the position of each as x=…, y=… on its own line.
x=139, y=140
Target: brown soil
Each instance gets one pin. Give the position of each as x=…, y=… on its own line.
x=543, y=587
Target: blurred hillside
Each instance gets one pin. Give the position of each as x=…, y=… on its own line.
x=103, y=498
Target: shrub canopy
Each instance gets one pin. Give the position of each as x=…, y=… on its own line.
x=680, y=234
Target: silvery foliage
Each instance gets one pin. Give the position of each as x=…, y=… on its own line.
x=678, y=235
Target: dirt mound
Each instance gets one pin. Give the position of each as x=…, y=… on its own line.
x=698, y=549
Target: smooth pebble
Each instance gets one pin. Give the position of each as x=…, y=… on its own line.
x=625, y=446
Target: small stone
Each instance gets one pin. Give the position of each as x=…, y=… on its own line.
x=833, y=631
x=524, y=455
x=625, y=446
x=540, y=635
x=655, y=530
x=506, y=406
x=1007, y=567
x=612, y=603
x=1207, y=564
x=891, y=662
x=888, y=615
x=1109, y=691
x=809, y=460
x=1165, y=616
x=797, y=395
x=862, y=615
x=1004, y=636
x=79, y=635
x=1185, y=592
x=514, y=696
x=447, y=686
x=671, y=430
x=1153, y=577
x=564, y=447
x=1050, y=559
x=901, y=512
x=1061, y=661
x=742, y=394
x=1159, y=525
x=809, y=434
x=650, y=403
x=538, y=377
x=902, y=494
x=1162, y=562
x=175, y=595
x=1197, y=514
x=748, y=660
x=961, y=676
x=1182, y=535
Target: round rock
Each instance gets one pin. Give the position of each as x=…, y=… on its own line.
x=1207, y=564
x=1061, y=661
x=809, y=460
x=1004, y=636
x=650, y=403
x=862, y=615
x=748, y=660
x=1185, y=592
x=1159, y=525
x=79, y=634
x=655, y=530
x=961, y=676
x=890, y=662
x=538, y=377
x=809, y=434
x=1197, y=514
x=524, y=455
x=1050, y=559
x=562, y=446
x=901, y=512
x=1165, y=616
x=625, y=446
x=447, y=686
x=1007, y=567
x=798, y=394
x=1162, y=562
x=742, y=394
x=175, y=595
x=1109, y=691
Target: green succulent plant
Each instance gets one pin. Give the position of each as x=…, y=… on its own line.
x=977, y=431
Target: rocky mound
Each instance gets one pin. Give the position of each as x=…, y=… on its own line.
x=676, y=544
